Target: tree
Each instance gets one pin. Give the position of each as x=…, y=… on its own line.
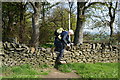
x=112, y=13
x=78, y=36
x=10, y=18
x=56, y=17
x=22, y=22
x=70, y=12
x=46, y=6
x=35, y=24
x=80, y=24
x=46, y=29
x=14, y=19
x=59, y=17
x=107, y=19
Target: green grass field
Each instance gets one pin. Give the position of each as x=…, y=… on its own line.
x=24, y=71
x=84, y=70
x=89, y=70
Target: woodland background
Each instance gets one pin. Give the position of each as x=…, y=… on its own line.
x=34, y=23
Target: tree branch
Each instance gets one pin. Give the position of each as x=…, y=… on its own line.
x=93, y=3
x=33, y=6
x=115, y=9
x=110, y=9
x=53, y=5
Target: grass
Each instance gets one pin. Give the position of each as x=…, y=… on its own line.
x=24, y=71
x=97, y=70
x=85, y=70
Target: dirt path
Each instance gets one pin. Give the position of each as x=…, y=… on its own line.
x=54, y=73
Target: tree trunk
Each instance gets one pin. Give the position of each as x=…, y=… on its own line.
x=43, y=13
x=111, y=29
x=78, y=36
x=111, y=32
x=111, y=19
x=9, y=28
x=112, y=12
x=21, y=28
x=35, y=25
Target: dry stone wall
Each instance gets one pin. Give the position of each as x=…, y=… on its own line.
x=18, y=54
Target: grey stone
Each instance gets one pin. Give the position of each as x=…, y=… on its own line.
x=11, y=49
x=88, y=50
x=48, y=50
x=87, y=53
x=8, y=45
x=43, y=49
x=93, y=46
x=19, y=49
x=76, y=53
x=13, y=45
